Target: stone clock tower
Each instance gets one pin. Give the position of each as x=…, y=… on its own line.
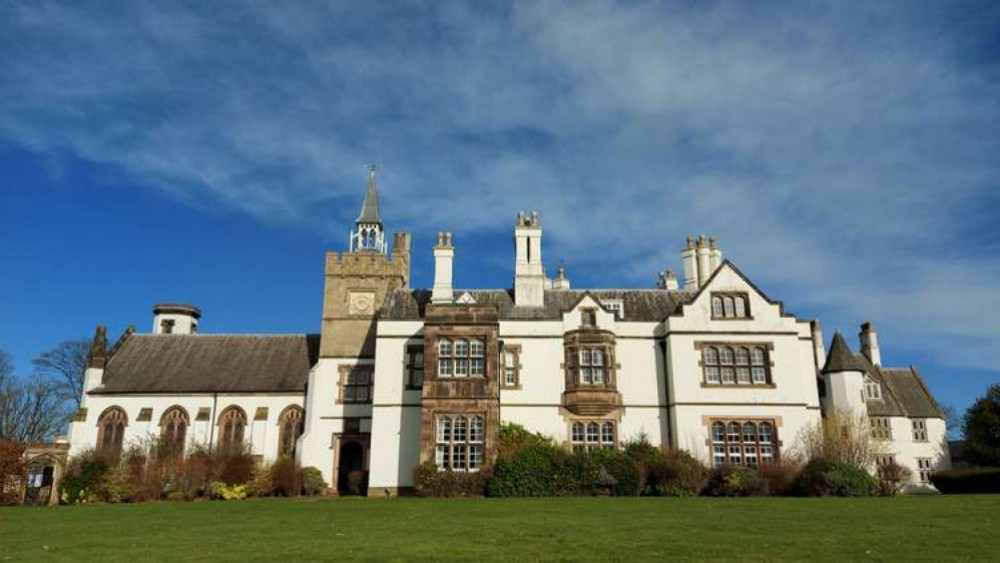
x=358, y=282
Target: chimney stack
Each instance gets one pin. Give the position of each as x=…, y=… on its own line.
x=689, y=257
x=670, y=281
x=714, y=256
x=529, y=274
x=869, y=343
x=561, y=281
x=444, y=255
x=819, y=352
x=704, y=263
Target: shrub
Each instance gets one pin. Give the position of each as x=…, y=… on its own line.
x=967, y=481
x=780, y=477
x=616, y=473
x=85, y=478
x=285, y=477
x=735, y=481
x=821, y=477
x=222, y=491
x=535, y=470
x=12, y=472
x=262, y=482
x=235, y=464
x=429, y=482
x=312, y=481
x=892, y=478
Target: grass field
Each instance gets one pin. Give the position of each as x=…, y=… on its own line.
x=908, y=528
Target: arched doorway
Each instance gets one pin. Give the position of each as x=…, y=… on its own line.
x=38, y=490
x=352, y=479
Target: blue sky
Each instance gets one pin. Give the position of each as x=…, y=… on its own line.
x=845, y=156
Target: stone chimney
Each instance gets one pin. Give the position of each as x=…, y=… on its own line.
x=690, y=259
x=869, y=343
x=401, y=251
x=444, y=256
x=529, y=274
x=714, y=256
x=667, y=280
x=175, y=318
x=704, y=261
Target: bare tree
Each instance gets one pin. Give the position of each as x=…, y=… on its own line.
x=952, y=422
x=841, y=436
x=65, y=365
x=30, y=411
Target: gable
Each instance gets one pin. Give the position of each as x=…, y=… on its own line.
x=728, y=284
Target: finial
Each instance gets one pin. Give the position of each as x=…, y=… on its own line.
x=711, y=243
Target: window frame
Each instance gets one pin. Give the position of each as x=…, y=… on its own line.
x=174, y=423
x=115, y=420
x=925, y=468
x=350, y=390
x=470, y=447
x=881, y=428
x=291, y=426
x=730, y=306
x=731, y=446
x=919, y=429
x=586, y=434
x=510, y=366
x=461, y=357
x=736, y=364
x=232, y=426
x=414, y=367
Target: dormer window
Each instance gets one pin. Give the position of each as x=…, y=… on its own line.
x=588, y=317
x=730, y=306
x=615, y=306
x=873, y=391
x=167, y=326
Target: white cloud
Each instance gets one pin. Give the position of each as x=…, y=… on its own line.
x=835, y=153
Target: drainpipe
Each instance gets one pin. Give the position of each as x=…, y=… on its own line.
x=211, y=422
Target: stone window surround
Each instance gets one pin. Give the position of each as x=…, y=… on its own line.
x=600, y=422
x=768, y=364
x=228, y=436
x=468, y=443
x=919, y=429
x=723, y=295
x=120, y=418
x=776, y=442
x=881, y=428
x=342, y=384
x=410, y=367
x=514, y=349
x=573, y=341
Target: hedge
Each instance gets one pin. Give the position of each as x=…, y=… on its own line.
x=967, y=481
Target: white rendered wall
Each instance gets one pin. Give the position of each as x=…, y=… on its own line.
x=906, y=450
x=261, y=435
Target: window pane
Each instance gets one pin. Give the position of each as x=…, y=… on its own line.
x=757, y=356
x=750, y=452
x=476, y=350
x=593, y=433
x=476, y=366
x=765, y=433
x=585, y=376
x=749, y=432
x=735, y=455
x=511, y=377
x=741, y=307
x=444, y=348
x=712, y=374
x=711, y=355
x=718, y=456
x=598, y=376
x=728, y=304
x=444, y=368
x=759, y=375
x=418, y=377
x=743, y=375
x=733, y=430
x=460, y=429
x=458, y=457
x=475, y=457
x=585, y=356
x=461, y=349
x=716, y=307
x=418, y=358
x=509, y=359
x=597, y=358
x=742, y=356
x=728, y=375
x=476, y=429
x=443, y=429
x=608, y=433
x=461, y=367
x=726, y=356
x=718, y=432
x=441, y=456
x=577, y=433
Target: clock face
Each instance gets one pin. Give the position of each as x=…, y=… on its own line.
x=362, y=304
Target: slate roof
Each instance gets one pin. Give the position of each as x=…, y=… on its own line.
x=207, y=363
x=840, y=357
x=638, y=304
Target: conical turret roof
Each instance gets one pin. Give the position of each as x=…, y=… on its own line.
x=841, y=358
x=370, y=211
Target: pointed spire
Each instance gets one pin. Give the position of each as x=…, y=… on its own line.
x=841, y=358
x=370, y=211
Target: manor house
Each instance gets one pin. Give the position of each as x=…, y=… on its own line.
x=399, y=375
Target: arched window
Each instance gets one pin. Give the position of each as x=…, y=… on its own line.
x=232, y=423
x=749, y=432
x=733, y=431
x=727, y=303
x=726, y=359
x=718, y=432
x=608, y=435
x=291, y=423
x=173, y=427
x=758, y=359
x=717, y=307
x=577, y=436
x=111, y=430
x=741, y=307
x=593, y=434
x=742, y=366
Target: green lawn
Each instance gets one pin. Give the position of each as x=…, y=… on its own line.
x=907, y=528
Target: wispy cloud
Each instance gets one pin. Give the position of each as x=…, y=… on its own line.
x=838, y=154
